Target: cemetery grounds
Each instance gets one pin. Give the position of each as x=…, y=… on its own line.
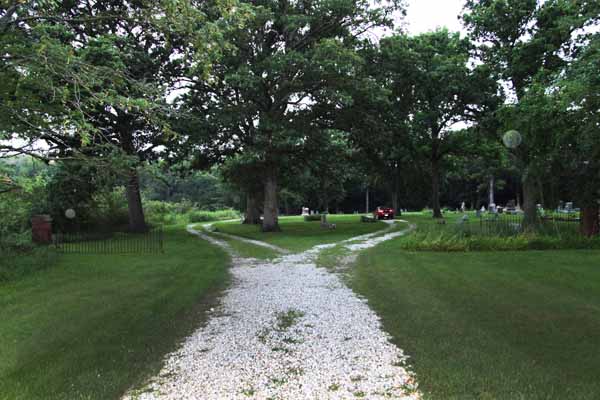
x=475, y=324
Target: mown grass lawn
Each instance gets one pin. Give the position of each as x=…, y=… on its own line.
x=91, y=326
x=483, y=325
x=246, y=250
x=299, y=235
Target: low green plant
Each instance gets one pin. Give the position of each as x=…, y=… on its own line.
x=209, y=216
x=166, y=213
x=448, y=241
x=161, y=212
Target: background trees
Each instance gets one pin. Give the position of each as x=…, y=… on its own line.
x=526, y=42
x=292, y=104
x=287, y=59
x=579, y=136
x=434, y=88
x=90, y=79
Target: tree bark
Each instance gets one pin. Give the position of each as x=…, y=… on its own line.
x=137, y=222
x=396, y=189
x=271, y=208
x=435, y=188
x=530, y=192
x=252, y=209
x=590, y=222
x=491, y=191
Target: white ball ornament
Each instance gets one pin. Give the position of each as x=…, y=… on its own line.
x=70, y=213
x=512, y=139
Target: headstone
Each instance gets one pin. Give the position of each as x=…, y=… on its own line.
x=463, y=207
x=305, y=211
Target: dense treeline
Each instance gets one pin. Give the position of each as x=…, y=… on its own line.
x=272, y=105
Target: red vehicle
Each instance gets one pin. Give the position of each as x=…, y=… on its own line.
x=384, y=213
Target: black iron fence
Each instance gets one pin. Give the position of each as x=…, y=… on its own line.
x=110, y=242
x=512, y=224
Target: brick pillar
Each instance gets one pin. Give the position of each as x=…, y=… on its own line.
x=41, y=229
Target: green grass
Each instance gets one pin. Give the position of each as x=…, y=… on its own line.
x=510, y=325
x=298, y=235
x=91, y=326
x=246, y=250
x=330, y=258
x=16, y=264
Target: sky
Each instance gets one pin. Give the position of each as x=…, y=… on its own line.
x=427, y=15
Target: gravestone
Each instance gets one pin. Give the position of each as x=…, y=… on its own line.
x=324, y=223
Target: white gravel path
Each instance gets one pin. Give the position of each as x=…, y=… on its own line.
x=286, y=330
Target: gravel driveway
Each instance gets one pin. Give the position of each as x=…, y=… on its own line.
x=285, y=330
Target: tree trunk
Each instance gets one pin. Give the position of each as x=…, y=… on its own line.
x=271, y=208
x=491, y=191
x=252, y=209
x=435, y=189
x=590, y=222
x=367, y=201
x=137, y=222
x=396, y=188
x=530, y=192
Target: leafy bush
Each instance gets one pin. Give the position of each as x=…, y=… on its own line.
x=110, y=209
x=313, y=217
x=367, y=218
x=208, y=216
x=161, y=212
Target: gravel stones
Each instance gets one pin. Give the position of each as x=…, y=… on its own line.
x=285, y=330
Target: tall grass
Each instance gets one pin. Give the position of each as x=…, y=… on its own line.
x=488, y=234
x=208, y=216
x=164, y=213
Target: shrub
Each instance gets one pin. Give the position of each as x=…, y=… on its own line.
x=110, y=209
x=209, y=216
x=161, y=212
x=367, y=218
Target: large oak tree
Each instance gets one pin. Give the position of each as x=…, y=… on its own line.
x=290, y=57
